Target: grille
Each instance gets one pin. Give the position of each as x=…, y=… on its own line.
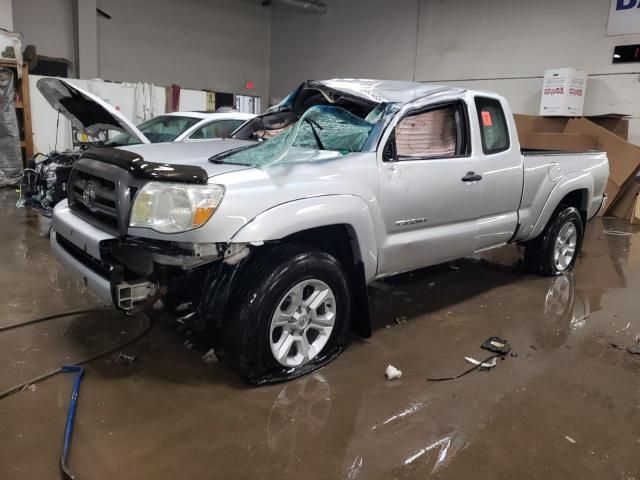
x=101, y=194
x=102, y=205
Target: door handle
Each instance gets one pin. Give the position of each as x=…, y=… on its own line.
x=471, y=177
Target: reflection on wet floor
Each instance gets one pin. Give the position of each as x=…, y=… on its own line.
x=566, y=405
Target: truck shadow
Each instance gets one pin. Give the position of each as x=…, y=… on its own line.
x=421, y=292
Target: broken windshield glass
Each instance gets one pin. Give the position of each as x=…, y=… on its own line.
x=321, y=129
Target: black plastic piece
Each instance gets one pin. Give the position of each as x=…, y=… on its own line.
x=139, y=168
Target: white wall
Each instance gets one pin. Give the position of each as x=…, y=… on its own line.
x=505, y=46
x=6, y=15
x=47, y=24
x=501, y=45
x=197, y=44
x=355, y=38
x=209, y=44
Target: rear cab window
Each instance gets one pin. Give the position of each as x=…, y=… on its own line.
x=493, y=125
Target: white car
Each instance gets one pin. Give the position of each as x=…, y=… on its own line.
x=184, y=127
x=90, y=114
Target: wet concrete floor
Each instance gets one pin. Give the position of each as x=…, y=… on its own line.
x=567, y=406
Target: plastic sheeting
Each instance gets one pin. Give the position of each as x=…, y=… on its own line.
x=321, y=129
x=10, y=155
x=429, y=134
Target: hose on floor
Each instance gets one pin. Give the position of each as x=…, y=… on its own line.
x=147, y=326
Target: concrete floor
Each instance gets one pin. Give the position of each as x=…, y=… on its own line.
x=567, y=406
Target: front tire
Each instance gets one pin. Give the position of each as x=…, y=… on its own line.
x=556, y=250
x=289, y=315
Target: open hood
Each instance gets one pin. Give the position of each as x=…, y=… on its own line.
x=87, y=112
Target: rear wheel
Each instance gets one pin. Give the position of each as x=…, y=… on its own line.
x=556, y=250
x=289, y=315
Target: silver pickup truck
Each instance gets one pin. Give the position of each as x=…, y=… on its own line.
x=271, y=245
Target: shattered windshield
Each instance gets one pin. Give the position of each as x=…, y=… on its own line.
x=321, y=129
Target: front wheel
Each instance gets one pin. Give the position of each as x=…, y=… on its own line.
x=556, y=250
x=289, y=315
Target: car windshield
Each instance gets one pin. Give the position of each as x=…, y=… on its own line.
x=322, y=131
x=165, y=128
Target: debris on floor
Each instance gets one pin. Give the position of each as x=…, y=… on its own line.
x=617, y=233
x=500, y=348
x=490, y=364
x=392, y=373
x=569, y=439
x=31, y=387
x=401, y=320
x=210, y=357
x=124, y=359
x=635, y=349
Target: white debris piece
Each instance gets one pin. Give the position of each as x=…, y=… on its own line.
x=618, y=233
x=489, y=364
x=392, y=373
x=569, y=439
x=210, y=357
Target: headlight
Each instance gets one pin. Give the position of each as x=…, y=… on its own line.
x=173, y=208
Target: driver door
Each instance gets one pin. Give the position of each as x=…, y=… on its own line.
x=430, y=195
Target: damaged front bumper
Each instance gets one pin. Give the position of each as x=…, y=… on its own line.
x=133, y=273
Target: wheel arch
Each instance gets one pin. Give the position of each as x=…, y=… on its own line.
x=338, y=224
x=573, y=190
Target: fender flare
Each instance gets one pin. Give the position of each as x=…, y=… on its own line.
x=292, y=217
x=567, y=184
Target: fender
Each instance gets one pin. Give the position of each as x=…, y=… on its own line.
x=298, y=215
x=567, y=184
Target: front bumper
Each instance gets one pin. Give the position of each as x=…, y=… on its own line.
x=72, y=239
x=128, y=272
x=98, y=284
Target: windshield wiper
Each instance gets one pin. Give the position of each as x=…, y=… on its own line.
x=315, y=134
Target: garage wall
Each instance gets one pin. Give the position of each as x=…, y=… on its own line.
x=198, y=44
x=355, y=38
x=47, y=24
x=501, y=45
x=495, y=45
x=213, y=44
x=6, y=16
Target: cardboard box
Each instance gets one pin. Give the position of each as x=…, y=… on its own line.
x=624, y=205
x=624, y=157
x=606, y=133
x=614, y=122
x=563, y=91
x=571, y=142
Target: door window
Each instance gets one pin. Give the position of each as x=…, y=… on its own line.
x=436, y=133
x=493, y=125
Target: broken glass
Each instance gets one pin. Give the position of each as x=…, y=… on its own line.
x=321, y=129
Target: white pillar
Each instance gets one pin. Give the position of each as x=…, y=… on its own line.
x=86, y=39
x=6, y=15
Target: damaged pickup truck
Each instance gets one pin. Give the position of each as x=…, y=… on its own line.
x=270, y=246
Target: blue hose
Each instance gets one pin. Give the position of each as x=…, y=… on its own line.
x=71, y=415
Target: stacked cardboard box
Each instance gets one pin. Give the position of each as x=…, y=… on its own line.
x=606, y=133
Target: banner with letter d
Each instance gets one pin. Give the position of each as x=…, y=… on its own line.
x=624, y=17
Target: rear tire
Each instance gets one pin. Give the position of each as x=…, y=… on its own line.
x=556, y=250
x=289, y=315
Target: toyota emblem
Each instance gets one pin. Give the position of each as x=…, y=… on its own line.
x=89, y=194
